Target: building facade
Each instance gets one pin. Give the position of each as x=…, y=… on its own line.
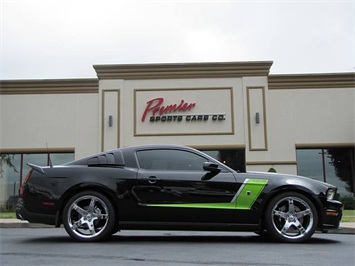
x=236, y=111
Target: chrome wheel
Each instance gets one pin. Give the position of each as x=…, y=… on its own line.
x=292, y=217
x=88, y=216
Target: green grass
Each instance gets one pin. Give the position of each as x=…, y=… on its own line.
x=348, y=216
x=7, y=215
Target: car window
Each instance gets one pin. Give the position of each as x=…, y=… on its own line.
x=171, y=160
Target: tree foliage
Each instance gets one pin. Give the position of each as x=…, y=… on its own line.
x=343, y=162
x=6, y=159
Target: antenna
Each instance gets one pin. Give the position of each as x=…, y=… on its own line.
x=49, y=157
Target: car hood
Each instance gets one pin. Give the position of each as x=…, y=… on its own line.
x=288, y=179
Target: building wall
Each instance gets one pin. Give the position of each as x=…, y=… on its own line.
x=309, y=118
x=60, y=114
x=91, y=115
x=294, y=110
x=134, y=96
x=309, y=111
x=60, y=121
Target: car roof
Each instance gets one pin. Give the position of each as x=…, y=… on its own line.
x=156, y=146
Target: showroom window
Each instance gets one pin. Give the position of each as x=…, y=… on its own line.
x=14, y=168
x=234, y=159
x=331, y=165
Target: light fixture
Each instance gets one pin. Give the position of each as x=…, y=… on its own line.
x=257, y=118
x=110, y=120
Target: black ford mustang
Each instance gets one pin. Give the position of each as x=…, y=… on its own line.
x=167, y=187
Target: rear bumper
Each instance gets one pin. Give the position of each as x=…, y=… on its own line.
x=332, y=214
x=23, y=214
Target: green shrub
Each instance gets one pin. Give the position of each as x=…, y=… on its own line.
x=349, y=201
x=4, y=209
x=272, y=170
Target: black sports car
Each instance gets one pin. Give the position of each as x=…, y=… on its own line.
x=167, y=187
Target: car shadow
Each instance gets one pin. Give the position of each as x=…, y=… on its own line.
x=182, y=238
x=210, y=239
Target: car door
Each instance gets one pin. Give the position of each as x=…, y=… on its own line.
x=172, y=186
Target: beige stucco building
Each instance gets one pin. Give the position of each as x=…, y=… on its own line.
x=269, y=120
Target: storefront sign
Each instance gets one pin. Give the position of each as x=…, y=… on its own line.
x=179, y=112
x=175, y=112
x=156, y=107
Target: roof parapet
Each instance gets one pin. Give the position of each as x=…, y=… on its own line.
x=183, y=70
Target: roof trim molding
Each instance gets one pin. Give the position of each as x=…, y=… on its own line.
x=37, y=150
x=312, y=81
x=183, y=70
x=49, y=86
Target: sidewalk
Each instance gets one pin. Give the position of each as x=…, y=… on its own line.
x=15, y=223
x=345, y=228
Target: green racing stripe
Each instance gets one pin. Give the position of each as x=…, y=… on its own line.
x=249, y=192
x=243, y=199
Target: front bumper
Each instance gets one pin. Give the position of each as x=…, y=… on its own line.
x=332, y=214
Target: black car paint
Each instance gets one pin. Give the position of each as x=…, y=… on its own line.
x=129, y=189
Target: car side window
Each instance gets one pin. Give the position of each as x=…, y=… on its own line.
x=170, y=160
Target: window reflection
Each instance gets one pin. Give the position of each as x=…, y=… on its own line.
x=234, y=159
x=333, y=165
x=9, y=181
x=170, y=160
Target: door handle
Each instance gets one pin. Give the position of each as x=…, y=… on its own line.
x=152, y=179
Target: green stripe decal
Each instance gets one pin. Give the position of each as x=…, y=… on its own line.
x=250, y=192
x=243, y=200
x=222, y=205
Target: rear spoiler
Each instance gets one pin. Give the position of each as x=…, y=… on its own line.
x=37, y=168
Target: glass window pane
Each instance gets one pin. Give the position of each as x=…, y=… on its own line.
x=338, y=167
x=37, y=159
x=234, y=159
x=309, y=163
x=61, y=158
x=171, y=160
x=10, y=165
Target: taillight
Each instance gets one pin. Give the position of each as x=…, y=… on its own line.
x=22, y=188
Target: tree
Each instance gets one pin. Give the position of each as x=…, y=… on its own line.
x=6, y=159
x=344, y=165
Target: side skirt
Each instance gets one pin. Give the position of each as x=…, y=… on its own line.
x=127, y=225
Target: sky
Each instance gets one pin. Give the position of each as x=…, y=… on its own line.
x=51, y=39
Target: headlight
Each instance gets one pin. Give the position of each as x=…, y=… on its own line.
x=331, y=193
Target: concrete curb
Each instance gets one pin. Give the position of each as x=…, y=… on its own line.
x=14, y=223
x=345, y=228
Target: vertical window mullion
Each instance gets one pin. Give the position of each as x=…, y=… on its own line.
x=21, y=168
x=323, y=165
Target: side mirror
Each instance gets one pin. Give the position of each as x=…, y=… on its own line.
x=212, y=169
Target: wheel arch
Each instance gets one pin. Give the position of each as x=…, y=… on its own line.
x=110, y=194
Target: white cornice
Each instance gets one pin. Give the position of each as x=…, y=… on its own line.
x=307, y=81
x=50, y=86
x=183, y=70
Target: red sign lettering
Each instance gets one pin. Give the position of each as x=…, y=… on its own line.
x=155, y=106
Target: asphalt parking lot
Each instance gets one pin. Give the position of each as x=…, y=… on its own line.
x=52, y=246
x=345, y=228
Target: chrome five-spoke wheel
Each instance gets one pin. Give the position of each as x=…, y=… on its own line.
x=291, y=217
x=89, y=216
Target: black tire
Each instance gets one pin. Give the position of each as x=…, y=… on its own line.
x=291, y=217
x=89, y=216
x=262, y=233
